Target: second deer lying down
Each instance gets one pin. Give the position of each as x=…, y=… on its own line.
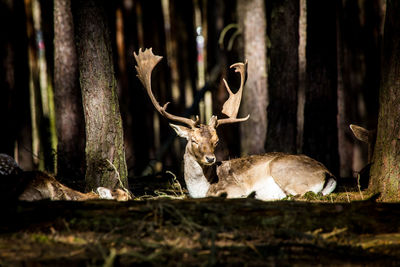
x=41, y=185
x=37, y=185
x=271, y=176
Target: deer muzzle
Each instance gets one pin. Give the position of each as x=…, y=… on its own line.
x=209, y=159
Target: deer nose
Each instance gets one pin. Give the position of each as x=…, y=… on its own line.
x=210, y=159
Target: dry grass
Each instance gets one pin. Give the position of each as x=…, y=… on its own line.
x=174, y=190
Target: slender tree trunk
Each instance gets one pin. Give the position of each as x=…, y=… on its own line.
x=41, y=139
x=24, y=136
x=252, y=22
x=320, y=111
x=219, y=16
x=373, y=33
x=359, y=41
x=7, y=81
x=350, y=78
x=68, y=99
x=129, y=100
x=105, y=154
x=14, y=84
x=182, y=60
x=184, y=45
x=126, y=30
x=385, y=169
x=283, y=75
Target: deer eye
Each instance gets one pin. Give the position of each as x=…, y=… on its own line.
x=194, y=142
x=216, y=143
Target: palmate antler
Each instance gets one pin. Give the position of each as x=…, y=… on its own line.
x=231, y=106
x=146, y=61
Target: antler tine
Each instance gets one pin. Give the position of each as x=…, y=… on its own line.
x=231, y=106
x=146, y=61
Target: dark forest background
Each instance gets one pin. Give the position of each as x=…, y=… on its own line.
x=314, y=68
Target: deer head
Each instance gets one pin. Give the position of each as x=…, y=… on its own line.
x=202, y=138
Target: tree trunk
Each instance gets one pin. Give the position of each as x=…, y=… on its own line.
x=220, y=14
x=129, y=96
x=150, y=21
x=283, y=77
x=320, y=110
x=14, y=83
x=38, y=90
x=68, y=99
x=182, y=64
x=358, y=83
x=385, y=169
x=105, y=154
x=252, y=22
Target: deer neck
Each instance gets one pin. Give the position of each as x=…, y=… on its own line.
x=198, y=177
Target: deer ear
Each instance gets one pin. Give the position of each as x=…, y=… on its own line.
x=182, y=131
x=104, y=193
x=360, y=133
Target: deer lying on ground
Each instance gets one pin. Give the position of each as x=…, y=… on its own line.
x=271, y=176
x=37, y=185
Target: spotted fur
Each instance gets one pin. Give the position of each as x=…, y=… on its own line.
x=271, y=176
x=37, y=185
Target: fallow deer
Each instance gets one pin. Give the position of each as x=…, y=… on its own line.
x=368, y=137
x=37, y=185
x=271, y=176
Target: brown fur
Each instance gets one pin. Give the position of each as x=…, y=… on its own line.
x=237, y=175
x=240, y=177
x=202, y=140
x=294, y=174
x=44, y=186
x=37, y=185
x=41, y=185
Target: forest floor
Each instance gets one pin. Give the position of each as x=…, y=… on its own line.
x=168, y=229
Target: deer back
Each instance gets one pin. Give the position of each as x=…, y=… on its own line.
x=41, y=185
x=36, y=185
x=272, y=176
x=299, y=174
